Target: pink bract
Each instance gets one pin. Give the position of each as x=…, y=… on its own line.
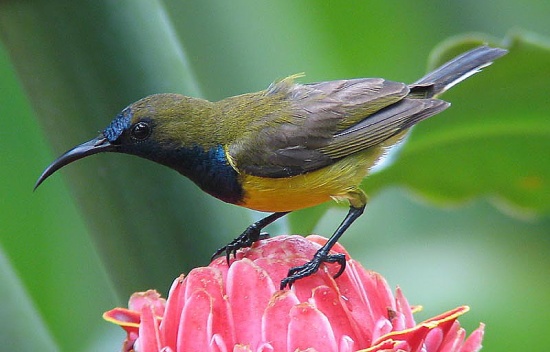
x=239, y=308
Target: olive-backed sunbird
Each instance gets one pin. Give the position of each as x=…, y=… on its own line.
x=288, y=147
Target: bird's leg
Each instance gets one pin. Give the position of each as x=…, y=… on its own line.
x=249, y=236
x=322, y=256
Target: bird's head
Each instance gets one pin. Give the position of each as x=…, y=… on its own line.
x=146, y=128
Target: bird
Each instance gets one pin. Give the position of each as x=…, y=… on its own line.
x=285, y=148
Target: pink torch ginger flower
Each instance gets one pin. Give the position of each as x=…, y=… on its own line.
x=239, y=308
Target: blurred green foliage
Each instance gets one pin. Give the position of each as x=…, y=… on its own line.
x=493, y=143
x=126, y=225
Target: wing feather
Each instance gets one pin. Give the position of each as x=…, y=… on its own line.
x=320, y=123
x=382, y=125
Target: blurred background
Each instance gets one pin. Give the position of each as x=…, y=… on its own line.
x=461, y=218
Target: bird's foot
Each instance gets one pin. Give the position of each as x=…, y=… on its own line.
x=312, y=266
x=246, y=239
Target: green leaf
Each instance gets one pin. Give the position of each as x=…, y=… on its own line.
x=493, y=142
x=82, y=62
x=51, y=273
x=22, y=315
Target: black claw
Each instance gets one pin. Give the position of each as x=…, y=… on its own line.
x=287, y=281
x=228, y=256
x=217, y=253
x=245, y=240
x=312, y=266
x=342, y=261
x=263, y=236
x=248, y=237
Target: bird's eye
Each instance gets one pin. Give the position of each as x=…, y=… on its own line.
x=140, y=131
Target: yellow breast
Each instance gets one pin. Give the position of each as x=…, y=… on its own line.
x=338, y=181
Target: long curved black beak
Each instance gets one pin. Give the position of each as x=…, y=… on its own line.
x=97, y=145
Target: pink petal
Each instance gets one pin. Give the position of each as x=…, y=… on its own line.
x=249, y=289
x=277, y=268
x=127, y=319
x=354, y=296
x=309, y=328
x=221, y=265
x=433, y=340
x=303, y=288
x=473, y=342
x=218, y=344
x=172, y=314
x=415, y=337
x=376, y=290
x=384, y=346
x=149, y=337
x=194, y=331
x=278, y=255
x=347, y=344
x=149, y=298
x=286, y=248
x=329, y=302
x=381, y=327
x=276, y=319
x=265, y=347
x=210, y=280
x=206, y=278
x=404, y=319
x=453, y=339
x=222, y=319
x=448, y=317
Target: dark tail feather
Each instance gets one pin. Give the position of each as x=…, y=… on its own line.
x=454, y=71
